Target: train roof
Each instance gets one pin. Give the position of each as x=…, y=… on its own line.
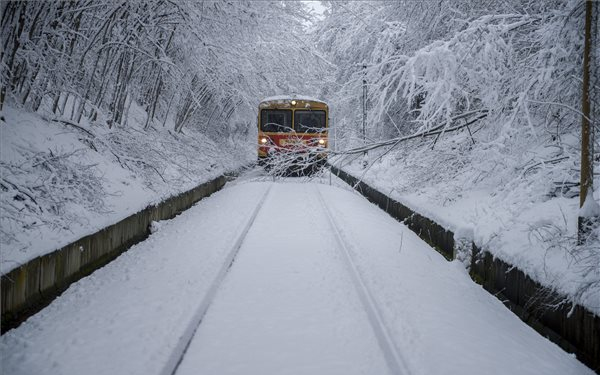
x=280, y=98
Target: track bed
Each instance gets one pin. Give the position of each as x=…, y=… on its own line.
x=282, y=277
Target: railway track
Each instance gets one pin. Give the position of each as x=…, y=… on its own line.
x=185, y=340
x=396, y=363
x=300, y=298
x=393, y=358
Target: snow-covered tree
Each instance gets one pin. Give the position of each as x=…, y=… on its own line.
x=431, y=62
x=197, y=63
x=469, y=96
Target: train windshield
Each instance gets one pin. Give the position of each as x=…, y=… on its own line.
x=309, y=121
x=276, y=120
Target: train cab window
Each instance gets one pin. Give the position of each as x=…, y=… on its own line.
x=309, y=121
x=276, y=120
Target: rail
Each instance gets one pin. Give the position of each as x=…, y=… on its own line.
x=396, y=363
x=185, y=340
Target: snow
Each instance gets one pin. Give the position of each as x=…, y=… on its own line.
x=287, y=304
x=155, y=226
x=447, y=323
x=282, y=98
x=82, y=179
x=512, y=220
x=487, y=130
x=125, y=318
x=590, y=207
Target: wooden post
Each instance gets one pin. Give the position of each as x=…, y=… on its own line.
x=364, y=114
x=586, y=219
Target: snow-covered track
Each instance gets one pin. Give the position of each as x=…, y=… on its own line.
x=183, y=344
x=393, y=357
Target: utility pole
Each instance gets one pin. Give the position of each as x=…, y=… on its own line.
x=589, y=210
x=364, y=113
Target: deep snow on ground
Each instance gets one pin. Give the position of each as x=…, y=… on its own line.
x=126, y=317
x=286, y=304
x=506, y=198
x=60, y=182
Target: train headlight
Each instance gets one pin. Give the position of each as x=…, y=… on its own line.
x=321, y=142
x=264, y=140
x=294, y=102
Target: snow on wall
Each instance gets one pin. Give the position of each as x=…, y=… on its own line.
x=525, y=219
x=279, y=98
x=489, y=95
x=61, y=181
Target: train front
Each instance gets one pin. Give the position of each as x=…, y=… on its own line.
x=292, y=133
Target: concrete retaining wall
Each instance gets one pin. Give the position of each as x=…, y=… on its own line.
x=578, y=332
x=431, y=232
x=32, y=286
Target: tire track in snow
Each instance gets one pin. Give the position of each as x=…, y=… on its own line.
x=185, y=340
x=396, y=363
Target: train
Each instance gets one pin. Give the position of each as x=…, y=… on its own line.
x=293, y=132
